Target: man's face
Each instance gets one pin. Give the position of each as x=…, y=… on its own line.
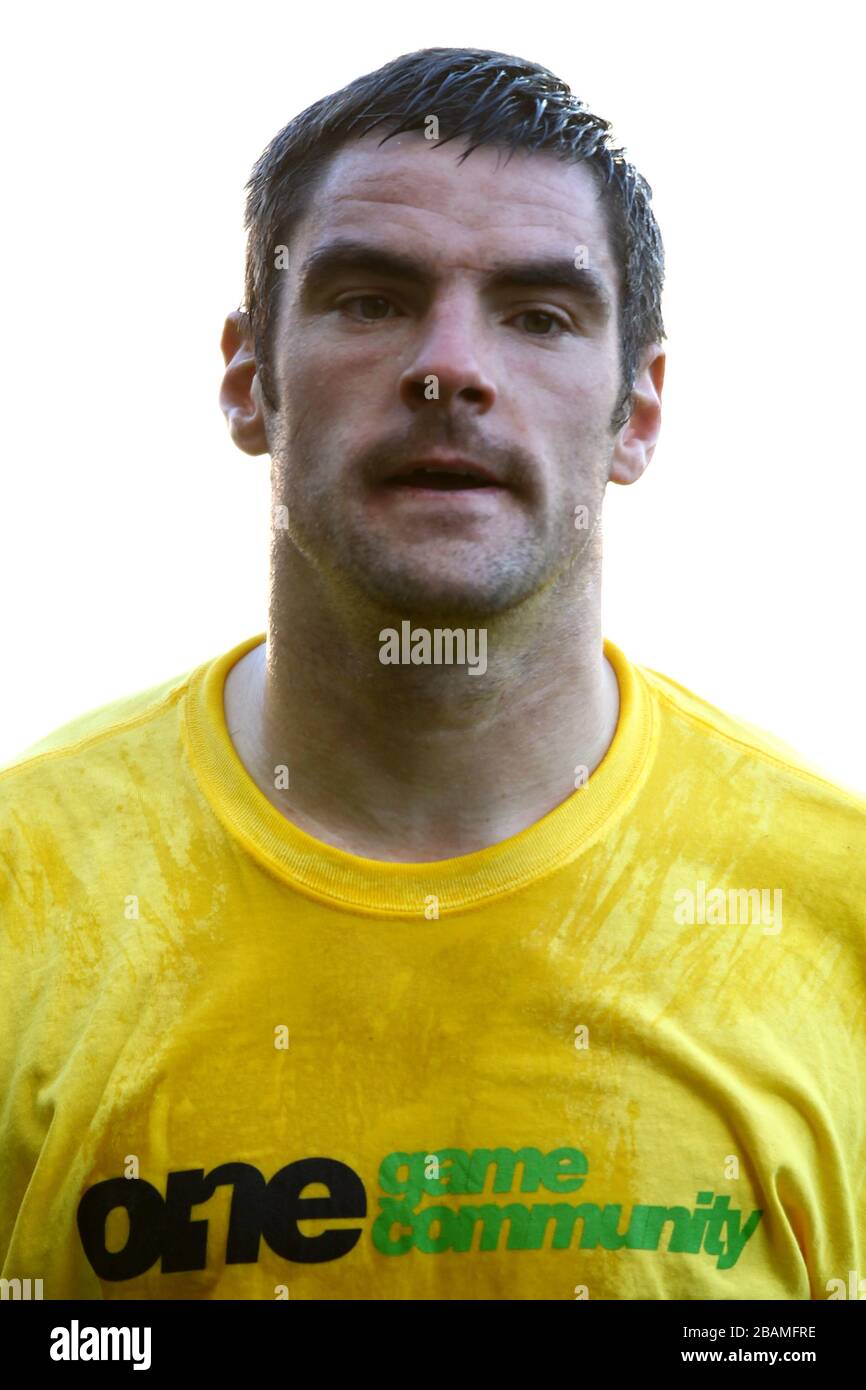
x=435, y=337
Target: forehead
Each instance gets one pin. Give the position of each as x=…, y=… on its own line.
x=469, y=213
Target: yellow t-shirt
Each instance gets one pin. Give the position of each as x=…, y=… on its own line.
x=618, y=1056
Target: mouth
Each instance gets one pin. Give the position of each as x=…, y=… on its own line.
x=442, y=475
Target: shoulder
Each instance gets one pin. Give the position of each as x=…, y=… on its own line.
x=87, y=730
x=735, y=741
x=61, y=793
x=747, y=800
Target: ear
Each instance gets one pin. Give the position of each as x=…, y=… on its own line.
x=240, y=393
x=637, y=439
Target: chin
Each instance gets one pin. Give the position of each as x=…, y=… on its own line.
x=458, y=599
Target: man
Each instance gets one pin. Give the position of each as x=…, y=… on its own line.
x=427, y=948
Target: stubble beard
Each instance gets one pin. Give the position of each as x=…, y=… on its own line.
x=466, y=582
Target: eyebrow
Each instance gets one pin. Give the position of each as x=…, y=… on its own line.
x=546, y=272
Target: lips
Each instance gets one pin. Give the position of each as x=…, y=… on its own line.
x=442, y=475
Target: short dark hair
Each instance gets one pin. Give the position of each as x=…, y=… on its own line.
x=484, y=98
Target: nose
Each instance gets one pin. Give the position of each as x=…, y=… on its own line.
x=447, y=365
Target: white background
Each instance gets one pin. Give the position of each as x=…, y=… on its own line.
x=135, y=537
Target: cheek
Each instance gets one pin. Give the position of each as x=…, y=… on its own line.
x=305, y=378
x=560, y=395
x=325, y=387
x=579, y=424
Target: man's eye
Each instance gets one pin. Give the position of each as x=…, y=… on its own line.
x=539, y=322
x=370, y=306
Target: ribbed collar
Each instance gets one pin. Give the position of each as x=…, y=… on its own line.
x=375, y=888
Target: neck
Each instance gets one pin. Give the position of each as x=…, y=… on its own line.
x=414, y=763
